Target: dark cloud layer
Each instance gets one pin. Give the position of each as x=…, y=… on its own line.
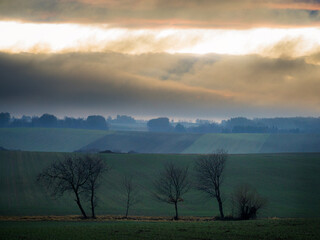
x=159, y=84
x=163, y=13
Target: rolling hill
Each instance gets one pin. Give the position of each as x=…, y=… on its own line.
x=256, y=143
x=47, y=139
x=144, y=142
x=148, y=142
x=69, y=140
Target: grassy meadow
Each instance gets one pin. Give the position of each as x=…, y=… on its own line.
x=290, y=182
x=284, y=229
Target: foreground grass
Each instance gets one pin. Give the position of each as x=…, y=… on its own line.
x=260, y=229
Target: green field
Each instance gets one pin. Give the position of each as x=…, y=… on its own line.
x=291, y=229
x=289, y=181
x=235, y=143
x=138, y=126
x=256, y=143
x=69, y=140
x=47, y=139
x=149, y=142
x=145, y=142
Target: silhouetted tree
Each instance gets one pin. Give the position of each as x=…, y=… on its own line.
x=95, y=168
x=171, y=185
x=24, y=121
x=97, y=122
x=4, y=119
x=238, y=121
x=47, y=120
x=246, y=202
x=124, y=119
x=180, y=128
x=253, y=129
x=206, y=128
x=130, y=193
x=209, y=172
x=70, y=122
x=159, y=125
x=68, y=175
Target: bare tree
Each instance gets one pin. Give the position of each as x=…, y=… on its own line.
x=95, y=168
x=246, y=202
x=130, y=193
x=209, y=173
x=171, y=185
x=68, y=175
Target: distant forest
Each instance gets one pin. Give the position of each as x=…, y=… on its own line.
x=163, y=124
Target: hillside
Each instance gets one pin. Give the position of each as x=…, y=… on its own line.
x=256, y=143
x=47, y=139
x=69, y=140
x=289, y=181
x=147, y=142
x=144, y=142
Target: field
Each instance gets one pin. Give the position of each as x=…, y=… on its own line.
x=290, y=182
x=286, y=229
x=145, y=142
x=256, y=143
x=235, y=143
x=69, y=140
x=47, y=139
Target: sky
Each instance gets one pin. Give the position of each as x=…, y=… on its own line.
x=184, y=59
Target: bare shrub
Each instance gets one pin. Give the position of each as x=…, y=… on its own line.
x=246, y=202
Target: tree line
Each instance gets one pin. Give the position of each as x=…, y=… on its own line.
x=163, y=124
x=239, y=125
x=82, y=176
x=50, y=121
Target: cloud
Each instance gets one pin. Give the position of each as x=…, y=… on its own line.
x=96, y=82
x=179, y=85
x=72, y=78
x=273, y=82
x=314, y=58
x=164, y=13
x=61, y=38
x=297, y=4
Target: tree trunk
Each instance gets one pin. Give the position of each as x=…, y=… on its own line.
x=176, y=208
x=80, y=206
x=220, y=207
x=127, y=211
x=128, y=204
x=92, y=203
